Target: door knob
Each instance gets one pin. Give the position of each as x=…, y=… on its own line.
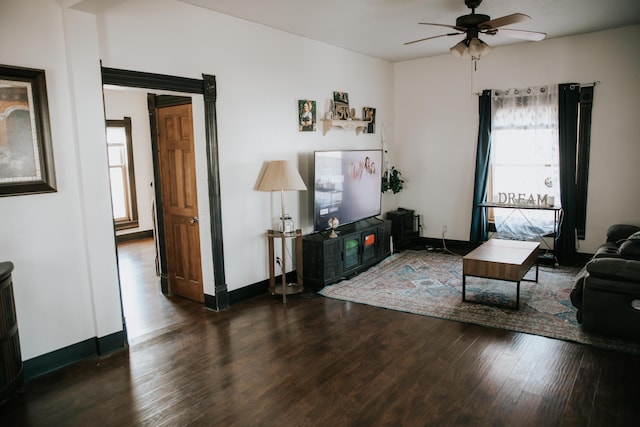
x=194, y=220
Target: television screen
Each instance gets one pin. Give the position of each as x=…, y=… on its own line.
x=346, y=186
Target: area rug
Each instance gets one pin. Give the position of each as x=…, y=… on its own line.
x=430, y=284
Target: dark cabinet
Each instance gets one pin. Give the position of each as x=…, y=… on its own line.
x=10, y=357
x=357, y=247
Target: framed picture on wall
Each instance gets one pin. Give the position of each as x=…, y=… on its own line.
x=26, y=157
x=340, y=105
x=306, y=115
x=369, y=115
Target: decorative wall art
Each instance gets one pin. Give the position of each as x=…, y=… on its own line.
x=26, y=156
x=306, y=115
x=340, y=106
x=369, y=116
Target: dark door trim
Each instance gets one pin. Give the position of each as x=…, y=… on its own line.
x=206, y=87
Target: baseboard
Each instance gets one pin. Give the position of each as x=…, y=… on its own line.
x=237, y=295
x=110, y=343
x=71, y=354
x=581, y=259
x=210, y=302
x=247, y=292
x=134, y=236
x=214, y=303
x=462, y=247
x=426, y=243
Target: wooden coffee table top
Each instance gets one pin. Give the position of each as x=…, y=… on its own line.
x=501, y=259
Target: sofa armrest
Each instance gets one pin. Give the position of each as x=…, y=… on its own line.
x=615, y=269
x=611, y=307
x=618, y=232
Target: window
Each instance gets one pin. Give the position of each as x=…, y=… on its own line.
x=121, y=173
x=524, y=163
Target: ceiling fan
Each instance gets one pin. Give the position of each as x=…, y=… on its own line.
x=474, y=24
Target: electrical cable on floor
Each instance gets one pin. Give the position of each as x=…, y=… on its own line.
x=444, y=246
x=290, y=256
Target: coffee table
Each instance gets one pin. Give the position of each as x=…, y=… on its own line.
x=508, y=260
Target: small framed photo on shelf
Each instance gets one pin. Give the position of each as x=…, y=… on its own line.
x=306, y=115
x=26, y=156
x=369, y=115
x=340, y=105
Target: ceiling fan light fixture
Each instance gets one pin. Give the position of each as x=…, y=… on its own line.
x=480, y=49
x=459, y=49
x=486, y=49
x=471, y=49
x=475, y=47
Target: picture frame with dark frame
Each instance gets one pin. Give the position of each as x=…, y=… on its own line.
x=306, y=115
x=341, y=105
x=26, y=153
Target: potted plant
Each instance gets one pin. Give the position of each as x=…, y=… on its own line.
x=391, y=180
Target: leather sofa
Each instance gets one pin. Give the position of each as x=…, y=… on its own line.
x=607, y=290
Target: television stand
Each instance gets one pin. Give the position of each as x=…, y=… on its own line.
x=358, y=246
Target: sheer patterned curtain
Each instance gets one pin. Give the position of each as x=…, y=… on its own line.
x=524, y=158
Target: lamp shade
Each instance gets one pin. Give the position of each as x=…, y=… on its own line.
x=458, y=49
x=281, y=175
x=473, y=48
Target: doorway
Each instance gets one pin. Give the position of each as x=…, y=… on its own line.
x=207, y=88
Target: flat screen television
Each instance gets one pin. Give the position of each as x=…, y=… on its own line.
x=346, y=185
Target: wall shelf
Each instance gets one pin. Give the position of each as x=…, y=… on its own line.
x=357, y=125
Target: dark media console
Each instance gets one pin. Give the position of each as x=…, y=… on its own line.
x=358, y=246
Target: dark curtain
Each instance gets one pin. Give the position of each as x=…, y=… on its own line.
x=584, y=147
x=478, y=220
x=568, y=100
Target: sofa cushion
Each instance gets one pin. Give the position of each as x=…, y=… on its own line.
x=619, y=269
x=607, y=250
x=618, y=232
x=630, y=249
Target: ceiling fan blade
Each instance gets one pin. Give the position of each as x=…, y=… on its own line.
x=519, y=34
x=454, y=27
x=505, y=20
x=429, y=38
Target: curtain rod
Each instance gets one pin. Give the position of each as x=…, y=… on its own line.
x=597, y=82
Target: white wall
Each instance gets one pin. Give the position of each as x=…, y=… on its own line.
x=66, y=285
x=120, y=103
x=261, y=74
x=437, y=118
x=65, y=279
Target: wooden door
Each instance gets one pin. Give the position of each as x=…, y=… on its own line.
x=180, y=202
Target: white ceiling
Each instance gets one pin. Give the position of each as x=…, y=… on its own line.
x=378, y=28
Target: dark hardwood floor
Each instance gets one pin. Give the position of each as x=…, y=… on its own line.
x=325, y=362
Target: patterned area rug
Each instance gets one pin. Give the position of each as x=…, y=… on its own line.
x=430, y=284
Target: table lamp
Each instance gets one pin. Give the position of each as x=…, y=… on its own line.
x=281, y=176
